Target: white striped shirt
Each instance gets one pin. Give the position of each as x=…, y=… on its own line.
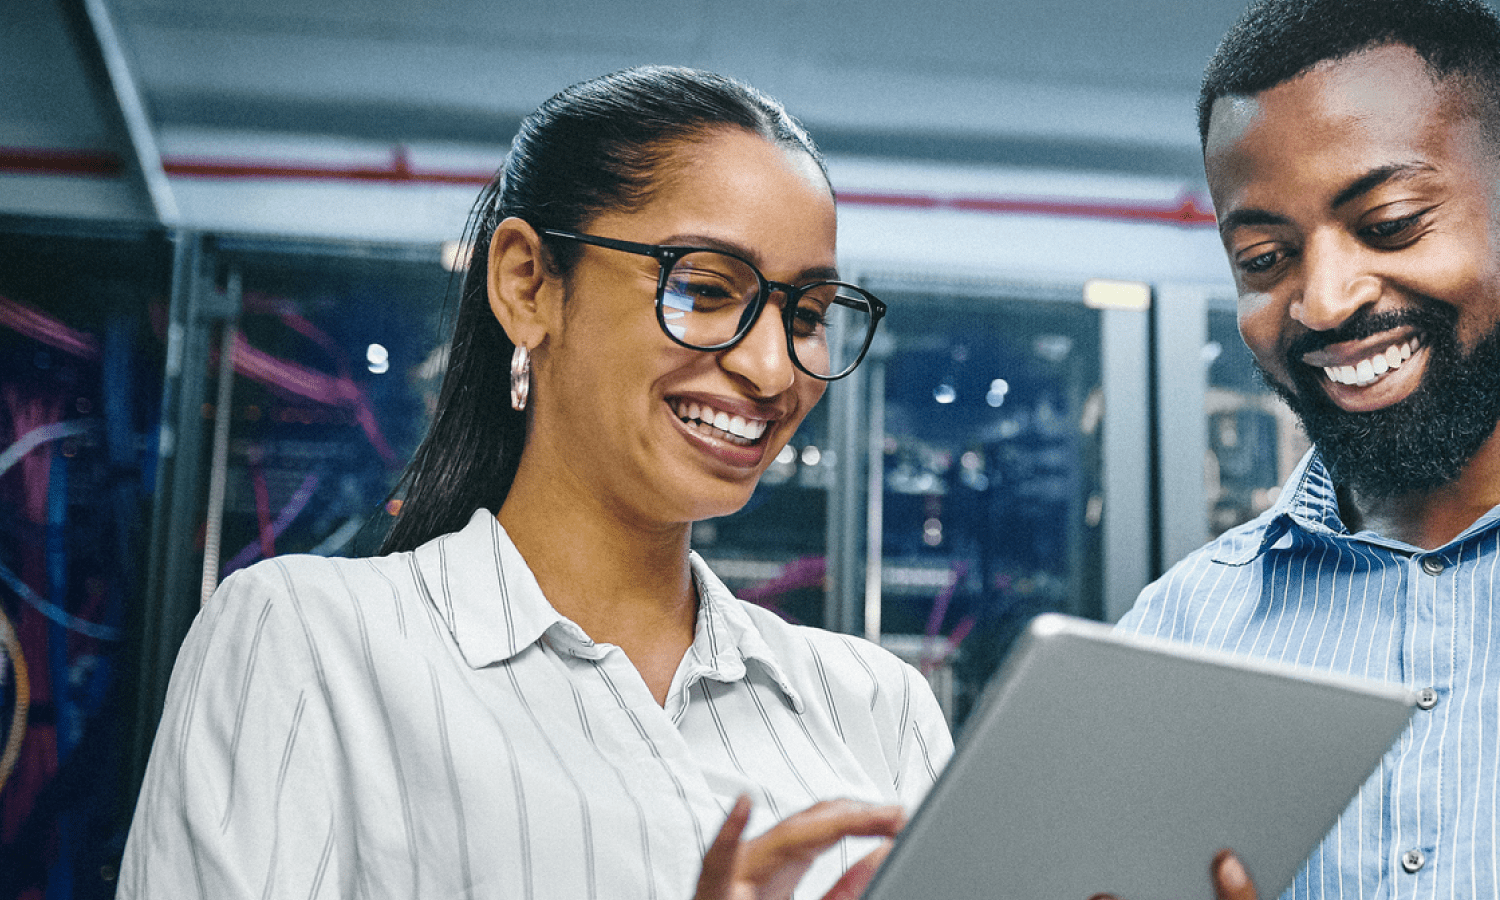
x=426, y=725
x=1295, y=585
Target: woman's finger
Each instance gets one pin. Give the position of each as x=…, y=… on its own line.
x=851, y=885
x=716, y=881
x=777, y=860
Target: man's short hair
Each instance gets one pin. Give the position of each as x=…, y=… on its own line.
x=1277, y=40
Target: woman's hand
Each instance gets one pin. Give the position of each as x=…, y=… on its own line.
x=769, y=867
x=1231, y=881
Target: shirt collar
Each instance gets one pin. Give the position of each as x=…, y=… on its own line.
x=727, y=638
x=484, y=592
x=1310, y=503
x=1307, y=500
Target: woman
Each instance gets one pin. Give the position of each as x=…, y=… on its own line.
x=539, y=691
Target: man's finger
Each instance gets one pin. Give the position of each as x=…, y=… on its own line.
x=1231, y=880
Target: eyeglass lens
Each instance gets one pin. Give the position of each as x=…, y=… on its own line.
x=708, y=298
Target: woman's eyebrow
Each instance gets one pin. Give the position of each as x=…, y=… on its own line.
x=815, y=273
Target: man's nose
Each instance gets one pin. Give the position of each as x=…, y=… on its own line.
x=1336, y=285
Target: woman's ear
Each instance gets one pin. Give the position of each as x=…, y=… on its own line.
x=524, y=294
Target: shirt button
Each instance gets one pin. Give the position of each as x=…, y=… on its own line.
x=1412, y=860
x=1427, y=698
x=1433, y=565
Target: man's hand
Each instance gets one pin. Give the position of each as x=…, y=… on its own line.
x=1231, y=881
x=769, y=867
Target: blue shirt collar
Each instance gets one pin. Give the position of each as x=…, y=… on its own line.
x=1307, y=499
x=1308, y=503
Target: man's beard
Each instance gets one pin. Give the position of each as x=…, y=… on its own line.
x=1420, y=443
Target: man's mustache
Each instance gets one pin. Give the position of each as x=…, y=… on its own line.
x=1425, y=318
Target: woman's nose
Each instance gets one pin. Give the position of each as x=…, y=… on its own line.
x=761, y=357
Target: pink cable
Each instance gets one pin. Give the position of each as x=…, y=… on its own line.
x=262, y=506
x=39, y=326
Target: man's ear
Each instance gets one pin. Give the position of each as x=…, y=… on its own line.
x=524, y=294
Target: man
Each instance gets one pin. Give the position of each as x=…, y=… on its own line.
x=1352, y=149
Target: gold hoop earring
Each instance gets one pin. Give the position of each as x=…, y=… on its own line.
x=520, y=378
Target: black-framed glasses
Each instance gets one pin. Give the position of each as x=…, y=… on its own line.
x=709, y=300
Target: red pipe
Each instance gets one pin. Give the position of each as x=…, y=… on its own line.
x=1183, y=211
x=398, y=171
x=39, y=161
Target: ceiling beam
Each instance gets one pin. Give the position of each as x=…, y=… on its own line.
x=99, y=48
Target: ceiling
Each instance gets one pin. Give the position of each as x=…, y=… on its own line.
x=946, y=76
x=1075, y=84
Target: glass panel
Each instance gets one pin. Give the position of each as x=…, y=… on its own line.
x=82, y=338
x=991, y=478
x=1254, y=441
x=337, y=371
x=341, y=366
x=773, y=551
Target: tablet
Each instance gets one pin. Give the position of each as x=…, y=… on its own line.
x=1098, y=761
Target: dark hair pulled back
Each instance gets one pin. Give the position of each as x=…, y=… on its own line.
x=598, y=146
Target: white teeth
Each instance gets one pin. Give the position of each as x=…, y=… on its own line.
x=1368, y=371
x=748, y=430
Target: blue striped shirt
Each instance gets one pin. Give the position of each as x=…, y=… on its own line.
x=1295, y=585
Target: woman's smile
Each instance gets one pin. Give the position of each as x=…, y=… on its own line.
x=716, y=423
x=725, y=432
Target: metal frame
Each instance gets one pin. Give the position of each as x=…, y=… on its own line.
x=1182, y=436
x=198, y=312
x=101, y=51
x=1125, y=360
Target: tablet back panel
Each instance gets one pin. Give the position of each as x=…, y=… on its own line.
x=1103, y=762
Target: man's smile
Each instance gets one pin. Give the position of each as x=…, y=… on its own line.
x=1375, y=378
x=1369, y=363
x=1372, y=367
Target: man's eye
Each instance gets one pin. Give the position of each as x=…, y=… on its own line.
x=1261, y=262
x=1391, y=228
